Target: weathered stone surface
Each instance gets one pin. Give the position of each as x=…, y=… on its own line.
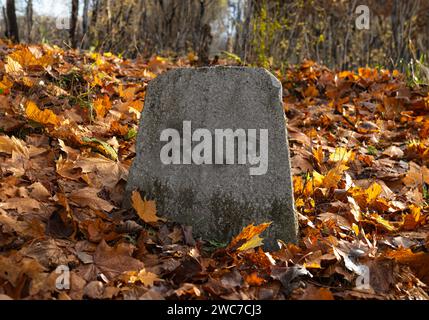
x=217, y=200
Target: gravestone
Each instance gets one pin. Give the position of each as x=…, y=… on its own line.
x=212, y=151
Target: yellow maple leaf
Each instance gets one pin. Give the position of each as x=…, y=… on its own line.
x=45, y=116
x=12, y=67
x=341, y=155
x=373, y=192
x=146, y=209
x=249, y=237
x=317, y=178
x=254, y=242
x=334, y=176
x=143, y=276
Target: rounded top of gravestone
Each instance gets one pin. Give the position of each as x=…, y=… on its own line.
x=223, y=71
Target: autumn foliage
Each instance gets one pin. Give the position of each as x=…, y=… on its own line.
x=68, y=121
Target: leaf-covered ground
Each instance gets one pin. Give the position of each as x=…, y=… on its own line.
x=68, y=122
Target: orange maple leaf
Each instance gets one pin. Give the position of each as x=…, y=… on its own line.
x=253, y=279
x=146, y=209
x=102, y=106
x=249, y=237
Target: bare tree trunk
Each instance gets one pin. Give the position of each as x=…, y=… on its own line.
x=205, y=38
x=204, y=45
x=11, y=18
x=109, y=17
x=29, y=19
x=73, y=23
x=6, y=23
x=94, y=16
x=85, y=22
x=140, y=31
x=93, y=32
x=243, y=47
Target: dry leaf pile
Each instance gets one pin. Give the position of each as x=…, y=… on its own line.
x=68, y=121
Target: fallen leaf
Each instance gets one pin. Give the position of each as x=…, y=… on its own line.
x=113, y=261
x=108, y=172
x=39, y=192
x=314, y=293
x=22, y=205
x=143, y=276
x=146, y=209
x=418, y=262
x=101, y=146
x=102, y=106
x=333, y=177
x=393, y=152
x=94, y=290
x=373, y=192
x=188, y=289
x=32, y=228
x=248, y=237
x=87, y=197
x=13, y=67
x=44, y=117
x=254, y=280
x=341, y=155
x=12, y=144
x=176, y=235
